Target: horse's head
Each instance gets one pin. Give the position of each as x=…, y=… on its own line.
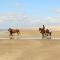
x=9, y=29
x=40, y=29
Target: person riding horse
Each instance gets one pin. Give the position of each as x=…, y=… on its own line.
x=42, y=31
x=43, y=27
x=45, y=32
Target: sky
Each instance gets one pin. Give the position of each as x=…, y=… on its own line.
x=29, y=13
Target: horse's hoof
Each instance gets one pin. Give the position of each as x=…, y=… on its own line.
x=10, y=38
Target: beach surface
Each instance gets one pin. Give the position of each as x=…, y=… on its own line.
x=29, y=49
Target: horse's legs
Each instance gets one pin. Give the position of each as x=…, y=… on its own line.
x=47, y=35
x=11, y=36
x=17, y=35
x=42, y=36
x=50, y=35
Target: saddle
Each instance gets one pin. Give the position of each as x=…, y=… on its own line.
x=47, y=30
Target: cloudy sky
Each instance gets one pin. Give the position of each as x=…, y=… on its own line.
x=29, y=13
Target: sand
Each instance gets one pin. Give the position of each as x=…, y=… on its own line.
x=29, y=49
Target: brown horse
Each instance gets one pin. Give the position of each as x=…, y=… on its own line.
x=13, y=31
x=44, y=32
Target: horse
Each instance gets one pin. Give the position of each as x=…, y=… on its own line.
x=42, y=31
x=12, y=31
x=45, y=33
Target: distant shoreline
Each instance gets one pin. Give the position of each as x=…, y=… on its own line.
x=30, y=29
x=3, y=29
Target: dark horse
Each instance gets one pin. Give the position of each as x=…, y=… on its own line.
x=45, y=33
x=13, y=31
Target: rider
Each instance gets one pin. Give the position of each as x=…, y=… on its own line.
x=43, y=27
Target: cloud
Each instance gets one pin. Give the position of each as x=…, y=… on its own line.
x=5, y=17
x=24, y=20
x=56, y=10
x=54, y=19
x=11, y=17
x=1, y=21
x=19, y=5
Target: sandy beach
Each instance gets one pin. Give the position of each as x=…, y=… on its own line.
x=29, y=49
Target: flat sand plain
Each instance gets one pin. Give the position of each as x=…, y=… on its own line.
x=22, y=49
